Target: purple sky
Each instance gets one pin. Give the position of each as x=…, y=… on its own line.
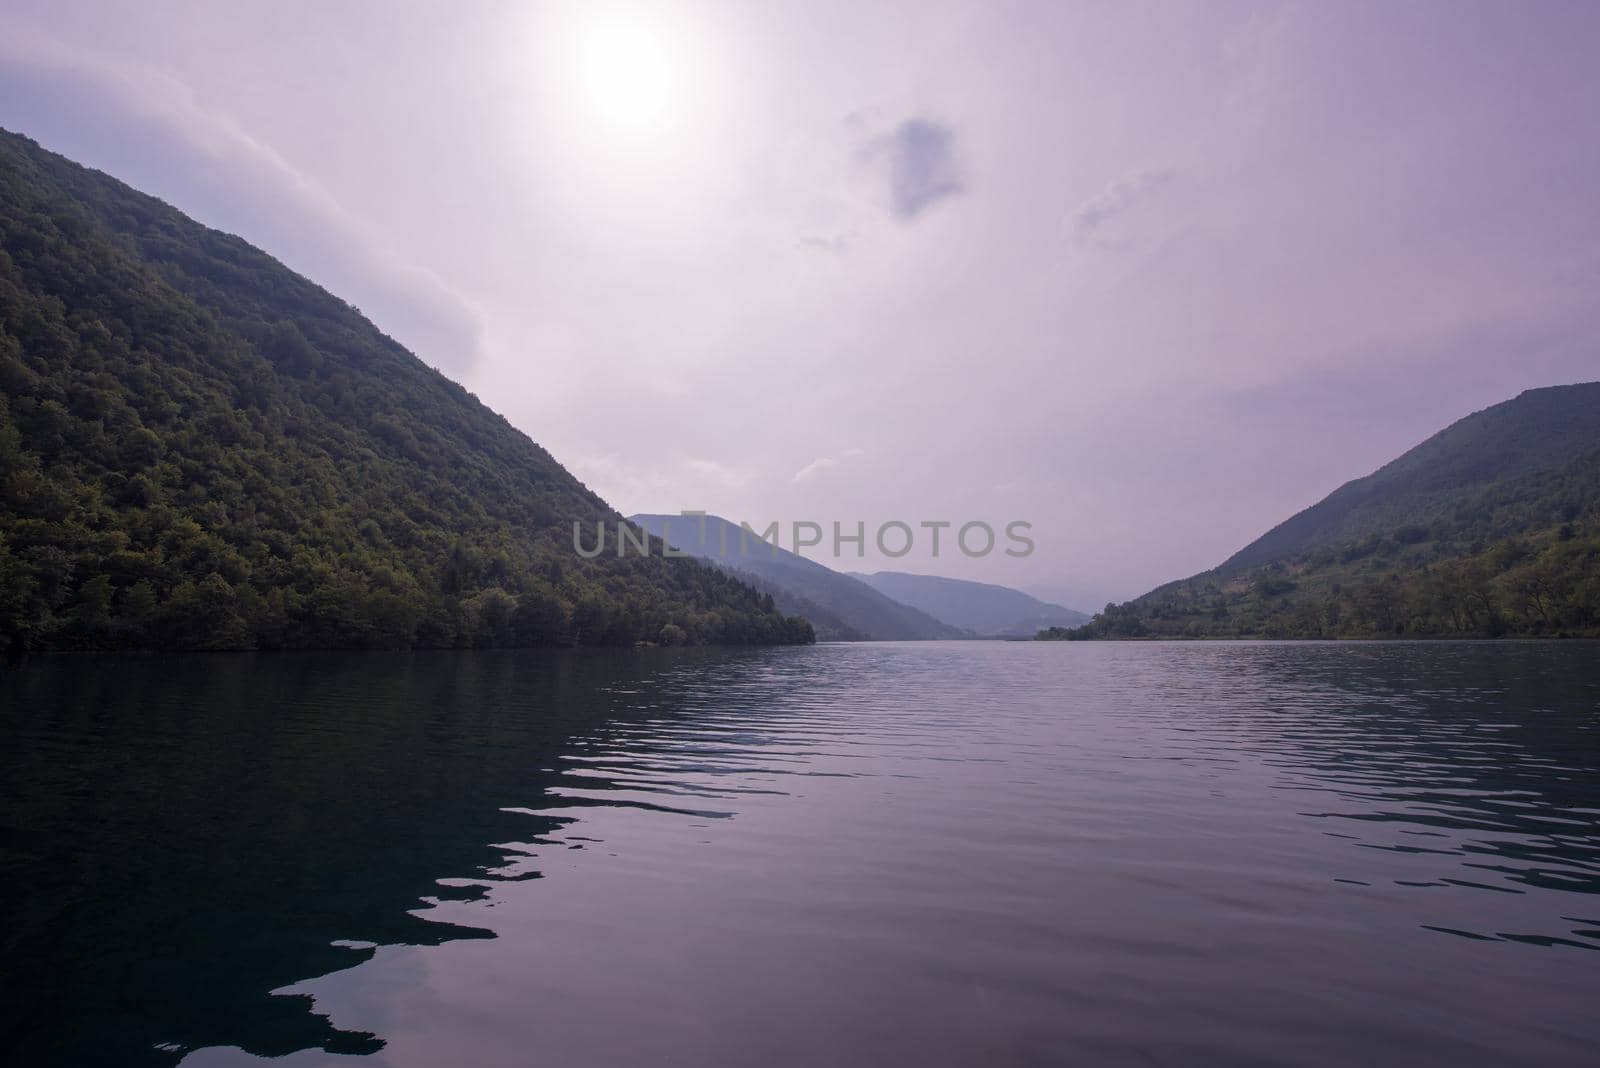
x=1151, y=277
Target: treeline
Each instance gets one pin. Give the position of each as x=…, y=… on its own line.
x=200, y=449
x=55, y=597
x=1545, y=584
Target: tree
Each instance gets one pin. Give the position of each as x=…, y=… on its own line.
x=91, y=612
x=487, y=617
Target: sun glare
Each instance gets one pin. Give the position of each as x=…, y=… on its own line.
x=628, y=71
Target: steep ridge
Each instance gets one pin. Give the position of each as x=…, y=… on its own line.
x=200, y=448
x=1490, y=527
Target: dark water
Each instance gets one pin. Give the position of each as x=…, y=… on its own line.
x=928, y=854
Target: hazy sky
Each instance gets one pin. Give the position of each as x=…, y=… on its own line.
x=1151, y=277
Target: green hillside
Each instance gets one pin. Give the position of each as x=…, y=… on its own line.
x=1489, y=528
x=201, y=449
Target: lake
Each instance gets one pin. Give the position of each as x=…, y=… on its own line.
x=884, y=854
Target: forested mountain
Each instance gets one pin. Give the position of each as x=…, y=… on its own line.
x=201, y=449
x=1491, y=527
x=841, y=607
x=982, y=608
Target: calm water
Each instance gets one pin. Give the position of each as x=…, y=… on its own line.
x=921, y=854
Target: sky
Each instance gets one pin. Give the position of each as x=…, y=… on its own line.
x=1149, y=277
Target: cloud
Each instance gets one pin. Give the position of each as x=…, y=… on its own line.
x=918, y=158
x=634, y=484
x=837, y=244
x=1119, y=197
x=719, y=473
x=821, y=464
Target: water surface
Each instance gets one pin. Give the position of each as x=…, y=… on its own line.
x=930, y=854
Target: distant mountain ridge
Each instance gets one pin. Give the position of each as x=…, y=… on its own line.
x=201, y=449
x=841, y=607
x=983, y=609
x=1489, y=527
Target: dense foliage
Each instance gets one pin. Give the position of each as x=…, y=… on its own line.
x=201, y=449
x=1490, y=528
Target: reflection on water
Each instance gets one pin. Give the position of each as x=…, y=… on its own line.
x=923, y=853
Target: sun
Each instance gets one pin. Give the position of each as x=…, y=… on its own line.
x=629, y=71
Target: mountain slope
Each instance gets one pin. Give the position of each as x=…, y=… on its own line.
x=829, y=627
x=201, y=449
x=987, y=610
x=852, y=609
x=1467, y=482
x=1490, y=527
